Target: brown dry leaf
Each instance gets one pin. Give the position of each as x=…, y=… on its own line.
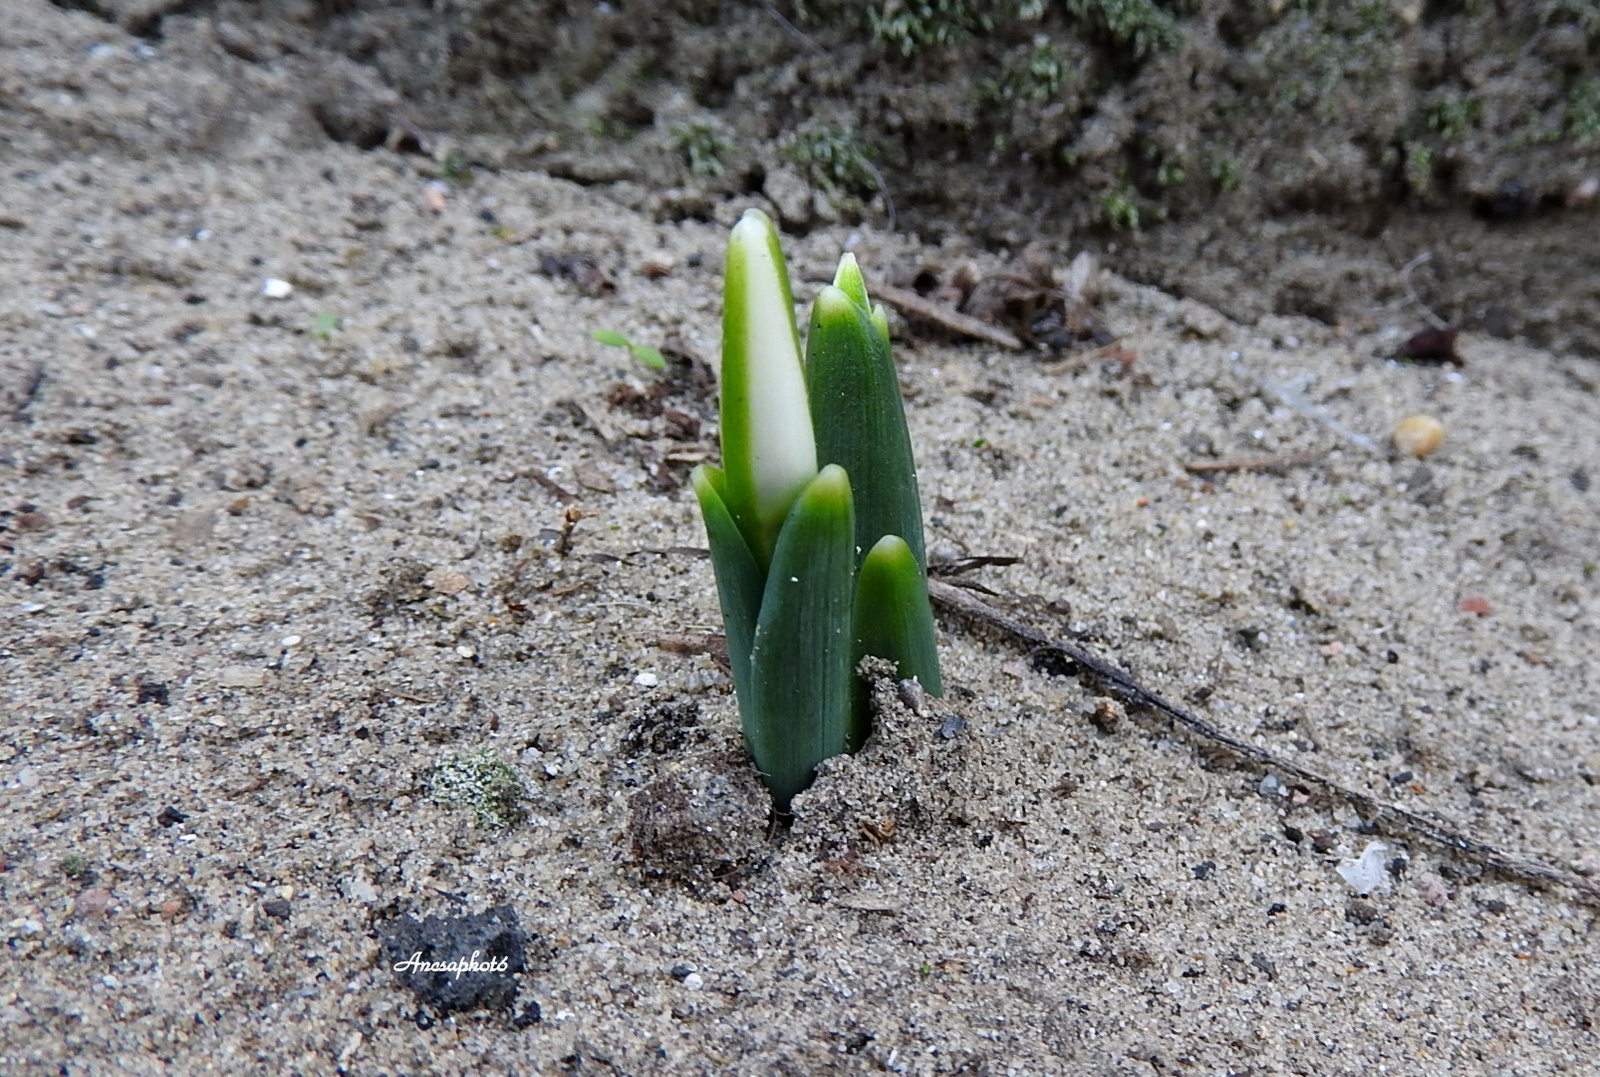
x=447, y=581
x=592, y=478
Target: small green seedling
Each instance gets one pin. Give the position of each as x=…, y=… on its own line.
x=324, y=325
x=814, y=521
x=647, y=355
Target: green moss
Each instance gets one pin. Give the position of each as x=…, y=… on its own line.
x=1328, y=50
x=74, y=866
x=1451, y=115
x=834, y=157
x=481, y=782
x=1033, y=74
x=1121, y=209
x=701, y=147
x=1224, y=172
x=455, y=168
x=1138, y=26
x=1581, y=117
x=913, y=25
x=1419, y=170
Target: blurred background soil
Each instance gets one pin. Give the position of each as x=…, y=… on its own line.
x=1263, y=156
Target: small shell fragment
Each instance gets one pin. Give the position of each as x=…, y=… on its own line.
x=1418, y=435
x=1367, y=872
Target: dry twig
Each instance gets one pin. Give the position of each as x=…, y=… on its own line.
x=910, y=303
x=1123, y=684
x=1254, y=463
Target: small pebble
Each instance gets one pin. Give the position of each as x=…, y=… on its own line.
x=241, y=677
x=913, y=695
x=447, y=581
x=1433, y=890
x=92, y=902
x=1418, y=435
x=1474, y=604
x=646, y=680
x=273, y=288
x=1369, y=871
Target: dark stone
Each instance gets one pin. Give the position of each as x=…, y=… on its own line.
x=1052, y=663
x=492, y=940
x=170, y=816
x=531, y=1015
x=277, y=908
x=153, y=692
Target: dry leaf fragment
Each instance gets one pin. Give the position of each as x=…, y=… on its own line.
x=447, y=581
x=594, y=479
x=915, y=306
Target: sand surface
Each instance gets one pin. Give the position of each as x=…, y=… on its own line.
x=269, y=562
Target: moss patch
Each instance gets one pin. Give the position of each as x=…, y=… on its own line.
x=481, y=782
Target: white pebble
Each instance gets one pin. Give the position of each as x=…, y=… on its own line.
x=273, y=288
x=647, y=680
x=1369, y=871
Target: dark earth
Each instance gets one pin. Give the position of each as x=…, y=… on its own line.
x=1284, y=157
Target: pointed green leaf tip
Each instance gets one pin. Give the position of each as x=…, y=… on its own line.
x=799, y=710
x=768, y=448
x=892, y=617
x=860, y=421
x=848, y=279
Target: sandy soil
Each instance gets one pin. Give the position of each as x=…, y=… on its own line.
x=270, y=562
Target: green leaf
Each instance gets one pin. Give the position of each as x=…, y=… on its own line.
x=649, y=356
x=610, y=337
x=739, y=580
x=848, y=279
x=893, y=619
x=800, y=663
x=880, y=318
x=767, y=444
x=859, y=420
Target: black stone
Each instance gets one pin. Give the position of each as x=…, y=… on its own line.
x=493, y=936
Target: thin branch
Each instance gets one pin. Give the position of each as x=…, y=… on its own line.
x=798, y=33
x=1124, y=685
x=1405, y=278
x=910, y=303
x=1253, y=463
x=883, y=189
